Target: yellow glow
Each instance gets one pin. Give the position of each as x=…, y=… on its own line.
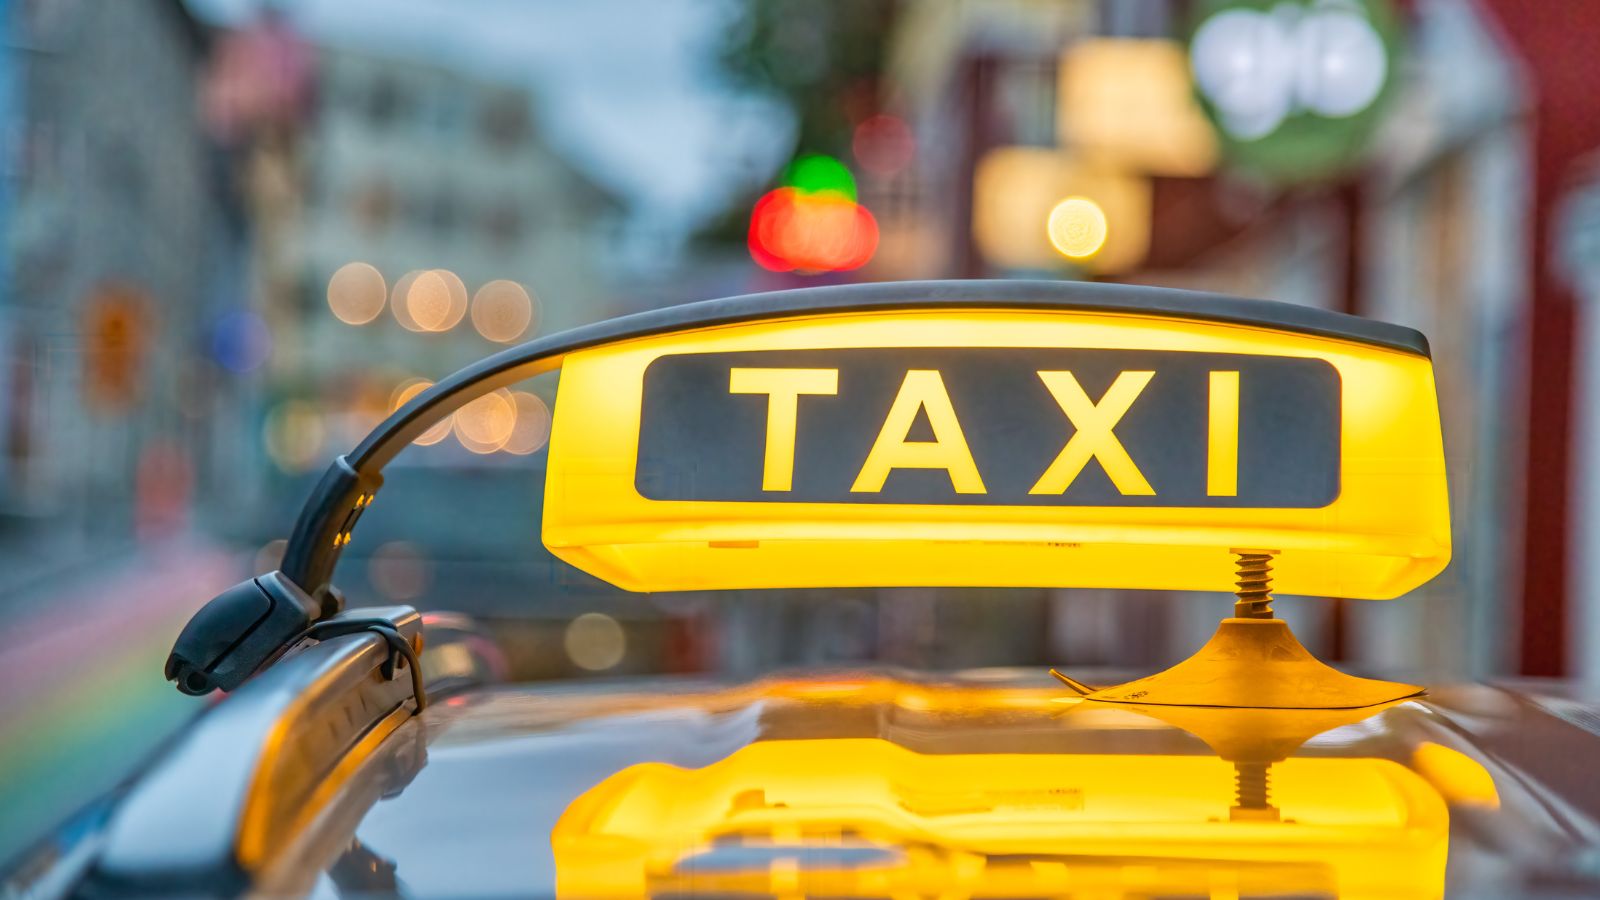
x=1461, y=780
x=486, y=424
x=1093, y=436
x=356, y=293
x=1017, y=191
x=293, y=435
x=922, y=391
x=405, y=392
x=399, y=571
x=594, y=641
x=1077, y=227
x=783, y=388
x=1131, y=102
x=1222, y=435
x=1136, y=825
x=1387, y=532
x=502, y=311
x=532, y=429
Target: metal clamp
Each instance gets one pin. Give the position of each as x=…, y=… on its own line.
x=398, y=646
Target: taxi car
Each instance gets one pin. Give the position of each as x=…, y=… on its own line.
x=917, y=434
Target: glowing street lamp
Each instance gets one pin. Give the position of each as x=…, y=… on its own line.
x=1034, y=208
x=1077, y=227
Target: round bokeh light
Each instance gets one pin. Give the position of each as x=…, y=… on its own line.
x=356, y=293
x=1077, y=227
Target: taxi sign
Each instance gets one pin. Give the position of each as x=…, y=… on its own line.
x=1072, y=443
x=884, y=428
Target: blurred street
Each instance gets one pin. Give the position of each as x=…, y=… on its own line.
x=74, y=729
x=240, y=233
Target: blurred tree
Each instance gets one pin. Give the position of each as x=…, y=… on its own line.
x=823, y=58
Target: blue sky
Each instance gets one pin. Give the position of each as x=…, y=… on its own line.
x=626, y=88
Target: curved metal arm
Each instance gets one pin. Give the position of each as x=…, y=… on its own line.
x=347, y=489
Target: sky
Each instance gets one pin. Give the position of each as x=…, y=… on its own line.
x=626, y=89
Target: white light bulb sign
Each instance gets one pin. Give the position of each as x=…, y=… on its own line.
x=1292, y=86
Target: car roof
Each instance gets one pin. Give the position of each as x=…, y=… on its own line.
x=517, y=791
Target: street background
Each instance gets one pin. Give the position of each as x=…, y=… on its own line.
x=237, y=233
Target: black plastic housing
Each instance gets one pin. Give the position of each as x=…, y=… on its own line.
x=238, y=632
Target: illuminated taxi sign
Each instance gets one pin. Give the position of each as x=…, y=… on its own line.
x=998, y=447
x=1029, y=427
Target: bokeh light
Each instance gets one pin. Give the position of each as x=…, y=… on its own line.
x=1016, y=188
x=883, y=145
x=595, y=641
x=485, y=425
x=399, y=301
x=1130, y=104
x=240, y=341
x=428, y=302
x=1260, y=68
x=817, y=173
x=532, y=429
x=270, y=556
x=458, y=299
x=356, y=293
x=292, y=434
x=502, y=311
x=399, y=571
x=404, y=393
x=1077, y=227
x=791, y=230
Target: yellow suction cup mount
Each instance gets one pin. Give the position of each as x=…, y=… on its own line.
x=1253, y=661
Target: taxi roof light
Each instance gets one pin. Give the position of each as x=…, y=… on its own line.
x=1073, y=446
x=959, y=433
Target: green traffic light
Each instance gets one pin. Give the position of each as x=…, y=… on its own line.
x=818, y=173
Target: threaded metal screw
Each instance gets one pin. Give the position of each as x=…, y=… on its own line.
x=1252, y=789
x=1254, y=569
x=1251, y=785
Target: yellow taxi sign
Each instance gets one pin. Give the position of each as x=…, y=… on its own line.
x=1064, y=445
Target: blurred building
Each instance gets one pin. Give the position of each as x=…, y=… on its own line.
x=413, y=166
x=409, y=167
x=124, y=248
x=10, y=154
x=1419, y=190
x=405, y=198
x=967, y=76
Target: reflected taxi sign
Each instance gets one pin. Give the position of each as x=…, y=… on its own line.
x=998, y=447
x=866, y=817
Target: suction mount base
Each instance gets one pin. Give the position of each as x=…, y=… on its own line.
x=1251, y=664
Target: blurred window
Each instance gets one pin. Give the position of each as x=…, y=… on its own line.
x=44, y=22
x=447, y=111
x=386, y=102
x=41, y=153
x=504, y=120
x=121, y=170
x=1027, y=99
x=503, y=224
x=372, y=205
x=443, y=210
